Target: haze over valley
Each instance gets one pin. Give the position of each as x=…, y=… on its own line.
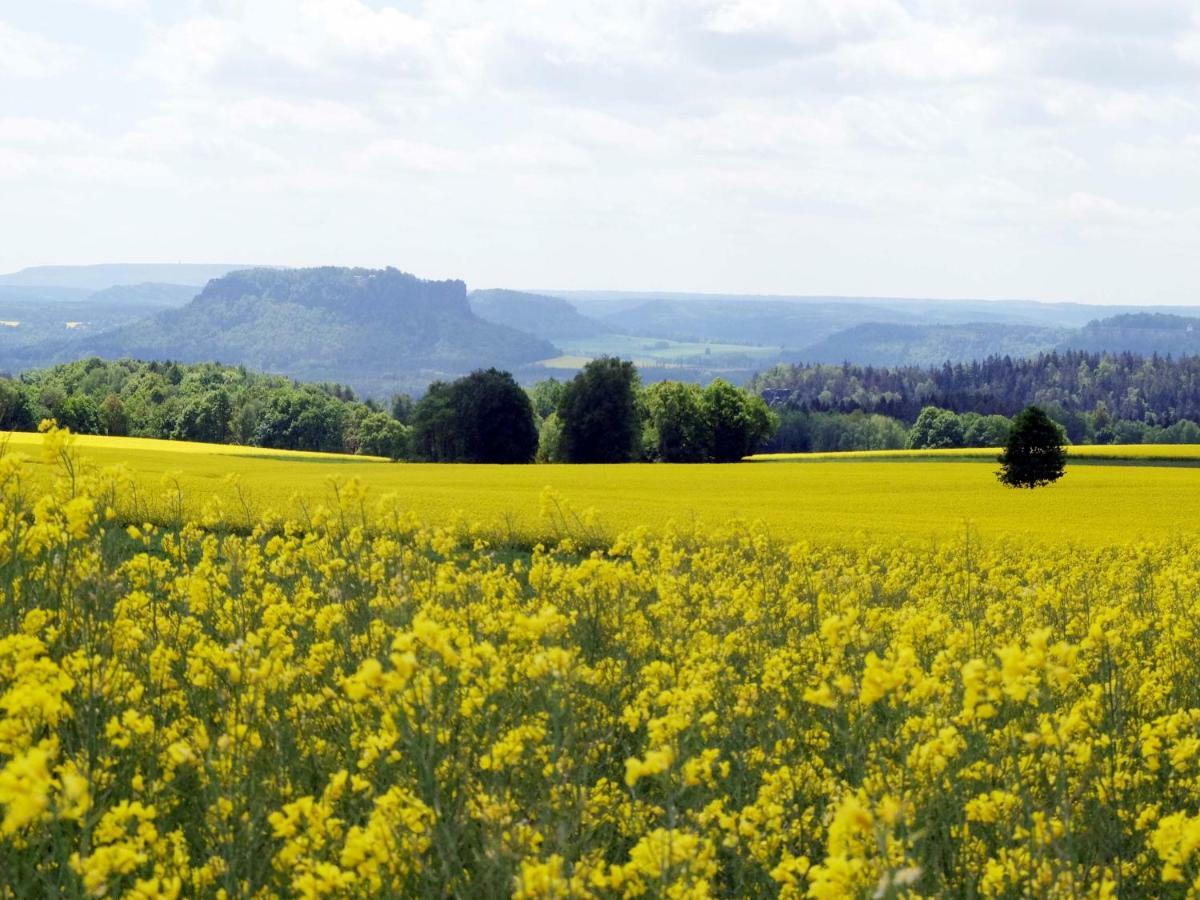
x=382, y=331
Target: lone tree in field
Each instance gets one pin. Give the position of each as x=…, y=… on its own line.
x=1034, y=455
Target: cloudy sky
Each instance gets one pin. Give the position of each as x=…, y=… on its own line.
x=1046, y=149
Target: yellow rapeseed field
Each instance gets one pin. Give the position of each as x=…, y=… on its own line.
x=819, y=502
x=359, y=704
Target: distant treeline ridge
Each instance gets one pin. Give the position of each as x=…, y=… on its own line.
x=1096, y=398
x=602, y=415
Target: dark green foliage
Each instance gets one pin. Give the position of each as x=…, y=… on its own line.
x=985, y=431
x=1155, y=390
x=601, y=419
x=206, y=418
x=16, y=410
x=113, y=420
x=936, y=429
x=80, y=413
x=484, y=417
x=738, y=423
x=1034, y=455
x=201, y=402
x=302, y=419
x=497, y=418
x=381, y=435
x=677, y=423
x=545, y=396
x=550, y=440
x=402, y=406
x=435, y=431
x=803, y=431
x=1096, y=398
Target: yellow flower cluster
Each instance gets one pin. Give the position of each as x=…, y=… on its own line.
x=360, y=705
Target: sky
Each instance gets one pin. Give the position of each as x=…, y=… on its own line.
x=1040, y=149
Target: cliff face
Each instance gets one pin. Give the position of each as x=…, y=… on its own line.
x=353, y=293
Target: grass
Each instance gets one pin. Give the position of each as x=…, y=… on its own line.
x=821, y=501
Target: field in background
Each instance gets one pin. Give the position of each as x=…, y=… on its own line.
x=821, y=501
x=657, y=351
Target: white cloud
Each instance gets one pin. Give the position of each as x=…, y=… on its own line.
x=806, y=22
x=1187, y=48
x=700, y=141
x=128, y=7
x=190, y=50
x=33, y=131
x=27, y=55
x=925, y=52
x=264, y=36
x=275, y=114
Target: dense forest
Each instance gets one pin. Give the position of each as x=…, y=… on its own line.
x=602, y=414
x=1155, y=390
x=1097, y=398
x=199, y=402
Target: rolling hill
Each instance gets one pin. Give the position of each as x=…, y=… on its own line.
x=377, y=330
x=1143, y=333
x=550, y=318
x=106, y=275
x=894, y=344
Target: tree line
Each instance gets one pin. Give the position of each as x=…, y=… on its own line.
x=1158, y=390
x=200, y=402
x=1095, y=398
x=802, y=431
x=602, y=415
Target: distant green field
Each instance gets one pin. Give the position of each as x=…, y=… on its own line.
x=652, y=351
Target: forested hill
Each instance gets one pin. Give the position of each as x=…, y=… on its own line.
x=551, y=318
x=1145, y=333
x=377, y=330
x=1147, y=389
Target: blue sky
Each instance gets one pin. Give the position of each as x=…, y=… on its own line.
x=1047, y=149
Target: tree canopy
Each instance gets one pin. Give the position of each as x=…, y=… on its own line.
x=601, y=418
x=1034, y=455
x=484, y=417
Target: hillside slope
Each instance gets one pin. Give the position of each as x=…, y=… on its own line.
x=550, y=318
x=1144, y=333
x=106, y=275
x=894, y=344
x=377, y=330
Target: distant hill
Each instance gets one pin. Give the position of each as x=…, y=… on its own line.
x=1144, y=333
x=99, y=277
x=35, y=319
x=890, y=344
x=148, y=294
x=778, y=323
x=546, y=317
x=376, y=330
x=19, y=293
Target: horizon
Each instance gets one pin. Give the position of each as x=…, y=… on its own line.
x=873, y=148
x=584, y=295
